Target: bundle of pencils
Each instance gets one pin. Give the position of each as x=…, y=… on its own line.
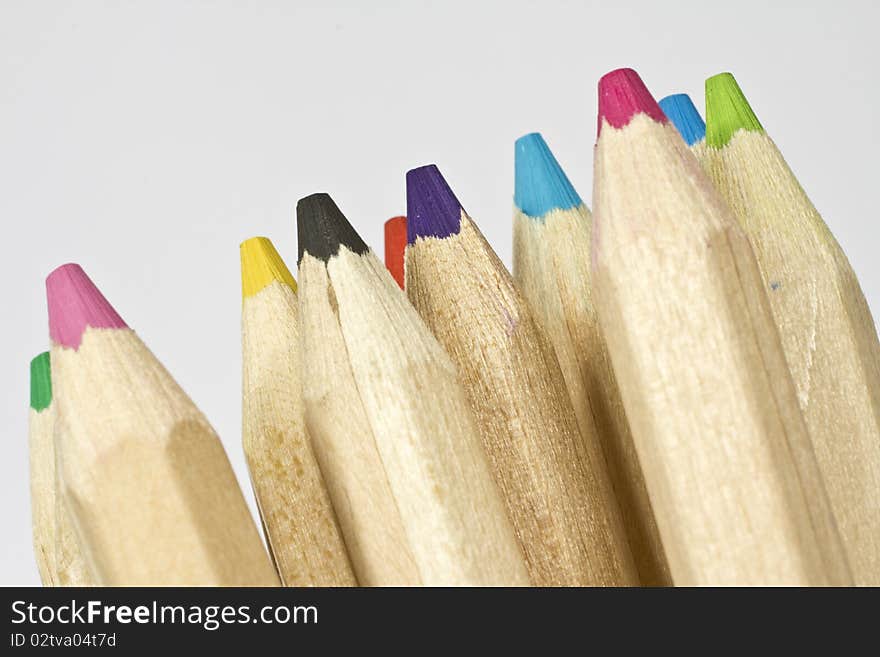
x=680, y=388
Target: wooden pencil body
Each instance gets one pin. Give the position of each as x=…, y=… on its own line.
x=42, y=483
x=56, y=546
x=433, y=515
x=151, y=492
x=827, y=332
x=344, y=444
x=551, y=263
x=554, y=482
x=71, y=568
x=726, y=457
x=298, y=518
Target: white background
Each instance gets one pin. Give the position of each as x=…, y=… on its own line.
x=146, y=140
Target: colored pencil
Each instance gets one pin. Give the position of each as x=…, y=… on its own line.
x=554, y=480
x=56, y=546
x=680, y=109
x=827, y=331
x=390, y=423
x=298, y=519
x=395, y=243
x=551, y=264
x=42, y=468
x=727, y=459
x=153, y=497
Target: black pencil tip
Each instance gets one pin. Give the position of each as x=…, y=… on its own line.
x=322, y=228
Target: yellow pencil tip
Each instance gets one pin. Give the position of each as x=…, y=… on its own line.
x=260, y=265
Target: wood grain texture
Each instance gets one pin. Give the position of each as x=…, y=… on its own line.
x=298, y=519
x=554, y=482
x=827, y=331
x=343, y=441
x=395, y=437
x=56, y=546
x=71, y=568
x=551, y=264
x=41, y=425
x=726, y=456
x=151, y=492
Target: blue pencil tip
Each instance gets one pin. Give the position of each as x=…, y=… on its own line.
x=540, y=183
x=431, y=208
x=685, y=117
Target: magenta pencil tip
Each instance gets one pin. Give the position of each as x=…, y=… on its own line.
x=622, y=95
x=75, y=303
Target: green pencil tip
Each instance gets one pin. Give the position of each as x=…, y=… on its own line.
x=727, y=110
x=41, y=382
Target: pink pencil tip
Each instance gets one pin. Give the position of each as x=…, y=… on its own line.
x=75, y=303
x=622, y=94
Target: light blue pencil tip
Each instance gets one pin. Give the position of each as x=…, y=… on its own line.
x=541, y=184
x=685, y=117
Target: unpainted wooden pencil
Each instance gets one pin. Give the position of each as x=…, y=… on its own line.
x=153, y=498
x=298, y=519
x=391, y=425
x=41, y=445
x=59, y=557
x=726, y=456
x=551, y=264
x=554, y=478
x=827, y=331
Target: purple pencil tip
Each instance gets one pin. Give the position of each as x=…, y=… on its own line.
x=431, y=208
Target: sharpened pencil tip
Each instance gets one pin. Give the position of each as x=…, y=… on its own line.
x=395, y=225
x=260, y=265
x=727, y=110
x=74, y=304
x=432, y=209
x=622, y=95
x=322, y=228
x=41, y=382
x=395, y=247
x=680, y=109
x=540, y=183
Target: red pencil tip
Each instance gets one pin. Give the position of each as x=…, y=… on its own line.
x=74, y=304
x=395, y=245
x=622, y=95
